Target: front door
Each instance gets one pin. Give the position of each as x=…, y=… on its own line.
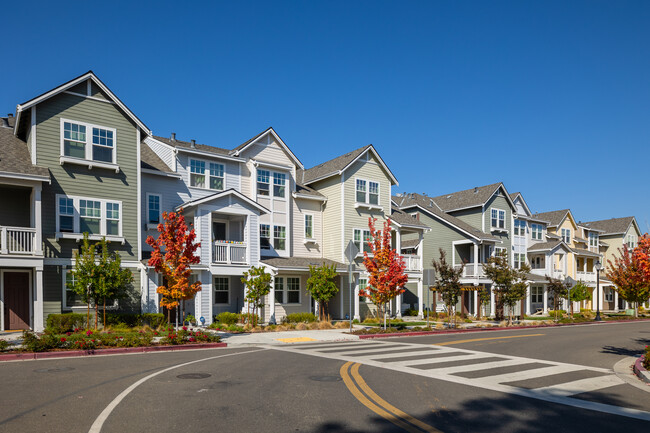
x=16, y=298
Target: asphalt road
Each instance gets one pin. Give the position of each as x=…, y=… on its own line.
x=330, y=387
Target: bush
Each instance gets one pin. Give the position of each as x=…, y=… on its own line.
x=410, y=312
x=559, y=313
x=646, y=359
x=62, y=323
x=132, y=320
x=4, y=345
x=249, y=318
x=300, y=318
x=227, y=318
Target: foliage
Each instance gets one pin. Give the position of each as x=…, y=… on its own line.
x=190, y=318
x=410, y=312
x=646, y=358
x=60, y=323
x=4, y=345
x=580, y=292
x=132, y=320
x=249, y=318
x=483, y=299
x=629, y=273
x=113, y=280
x=258, y=285
x=227, y=318
x=447, y=281
x=173, y=252
x=185, y=336
x=385, y=267
x=300, y=318
x=321, y=286
x=86, y=273
x=509, y=283
x=559, y=290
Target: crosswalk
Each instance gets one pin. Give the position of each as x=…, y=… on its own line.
x=551, y=381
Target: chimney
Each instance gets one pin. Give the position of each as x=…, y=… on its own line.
x=193, y=144
x=476, y=190
x=10, y=114
x=5, y=122
x=173, y=136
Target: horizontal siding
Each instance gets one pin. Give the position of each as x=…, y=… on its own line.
x=192, y=193
x=332, y=223
x=170, y=190
x=470, y=216
x=77, y=180
x=302, y=207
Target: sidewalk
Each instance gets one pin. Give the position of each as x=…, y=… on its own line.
x=287, y=337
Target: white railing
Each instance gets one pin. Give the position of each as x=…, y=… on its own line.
x=229, y=253
x=412, y=263
x=17, y=240
x=557, y=273
x=471, y=272
x=586, y=276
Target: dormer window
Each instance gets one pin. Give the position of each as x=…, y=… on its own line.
x=498, y=219
x=84, y=141
x=593, y=239
x=566, y=235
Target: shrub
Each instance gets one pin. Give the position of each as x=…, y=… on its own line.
x=227, y=318
x=410, y=312
x=559, y=313
x=61, y=323
x=235, y=329
x=249, y=318
x=299, y=318
x=342, y=325
x=133, y=320
x=301, y=326
x=646, y=358
x=4, y=345
x=325, y=325
x=313, y=325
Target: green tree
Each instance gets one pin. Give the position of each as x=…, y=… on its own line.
x=447, y=283
x=559, y=290
x=580, y=292
x=509, y=283
x=85, y=273
x=483, y=300
x=113, y=280
x=321, y=286
x=258, y=285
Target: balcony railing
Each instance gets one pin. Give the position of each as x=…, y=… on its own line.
x=471, y=272
x=412, y=263
x=229, y=253
x=17, y=240
x=586, y=276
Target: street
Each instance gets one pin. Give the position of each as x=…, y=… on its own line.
x=531, y=380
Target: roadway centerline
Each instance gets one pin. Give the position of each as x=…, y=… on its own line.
x=447, y=343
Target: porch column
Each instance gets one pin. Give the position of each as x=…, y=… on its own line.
x=476, y=261
x=398, y=242
x=316, y=308
x=615, y=300
x=37, y=223
x=272, y=301
x=420, y=298
x=357, y=316
x=38, y=300
x=492, y=303
x=476, y=306
x=545, y=299
x=528, y=301
x=398, y=305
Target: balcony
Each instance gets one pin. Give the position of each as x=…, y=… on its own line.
x=17, y=240
x=412, y=262
x=230, y=253
x=586, y=276
x=470, y=272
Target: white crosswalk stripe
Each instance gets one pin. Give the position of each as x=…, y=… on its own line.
x=430, y=361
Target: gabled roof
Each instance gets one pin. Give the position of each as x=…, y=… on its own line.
x=413, y=199
x=187, y=145
x=303, y=191
x=221, y=194
x=15, y=160
x=581, y=252
x=435, y=213
x=239, y=149
x=516, y=195
x=299, y=263
x=402, y=219
x=339, y=164
x=90, y=75
x=470, y=198
x=556, y=217
x=548, y=246
x=149, y=160
x=613, y=226
x=410, y=243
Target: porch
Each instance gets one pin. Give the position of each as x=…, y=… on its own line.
x=228, y=236
x=20, y=221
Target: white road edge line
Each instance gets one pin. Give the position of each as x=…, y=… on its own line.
x=99, y=422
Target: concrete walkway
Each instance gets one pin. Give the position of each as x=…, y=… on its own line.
x=286, y=337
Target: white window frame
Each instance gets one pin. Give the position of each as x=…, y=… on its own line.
x=378, y=194
x=537, y=292
x=566, y=233
x=519, y=260
x=267, y=183
x=520, y=227
x=536, y=229
x=311, y=217
x=593, y=239
x=150, y=225
x=88, y=146
x=498, y=218
x=270, y=238
x=214, y=288
x=277, y=175
x=76, y=233
x=364, y=299
x=284, y=238
x=357, y=182
x=207, y=174
x=363, y=240
x=284, y=292
x=497, y=249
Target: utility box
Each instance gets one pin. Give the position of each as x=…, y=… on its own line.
x=629, y=312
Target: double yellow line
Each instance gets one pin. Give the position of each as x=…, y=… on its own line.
x=360, y=389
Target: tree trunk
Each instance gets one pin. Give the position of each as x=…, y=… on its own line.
x=88, y=315
x=96, y=314
x=104, y=322
x=384, y=308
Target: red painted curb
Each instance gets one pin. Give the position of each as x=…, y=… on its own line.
x=494, y=328
x=639, y=369
x=112, y=351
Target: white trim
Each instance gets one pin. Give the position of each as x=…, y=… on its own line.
x=35, y=177
x=343, y=224
x=308, y=197
x=221, y=194
x=94, y=98
x=206, y=154
x=33, y=135
x=311, y=239
x=497, y=228
x=206, y=174
x=77, y=219
x=88, y=145
x=161, y=173
x=30, y=288
x=285, y=291
x=279, y=140
x=227, y=278
x=257, y=163
x=88, y=163
x=139, y=199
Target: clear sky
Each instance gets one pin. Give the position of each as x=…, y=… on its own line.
x=552, y=98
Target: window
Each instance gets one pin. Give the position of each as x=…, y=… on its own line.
x=593, y=239
x=373, y=190
x=361, y=239
x=537, y=263
x=221, y=292
x=85, y=215
x=520, y=259
x=279, y=237
x=112, y=219
x=609, y=295
x=90, y=216
x=279, y=182
x=216, y=176
x=536, y=231
x=520, y=228
x=537, y=294
x=566, y=235
x=309, y=226
x=85, y=141
x=71, y=298
x=153, y=209
x=361, y=190
x=263, y=182
x=498, y=219
x=197, y=173
x=630, y=241
x=102, y=145
x=287, y=290
x=265, y=236
x=363, y=284
x=500, y=251
x=74, y=140
x=66, y=214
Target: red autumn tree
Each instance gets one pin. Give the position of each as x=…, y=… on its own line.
x=173, y=253
x=385, y=267
x=642, y=255
x=628, y=274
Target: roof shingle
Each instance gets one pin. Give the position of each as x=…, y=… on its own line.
x=332, y=166
x=611, y=226
x=15, y=157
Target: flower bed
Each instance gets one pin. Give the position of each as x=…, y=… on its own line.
x=89, y=340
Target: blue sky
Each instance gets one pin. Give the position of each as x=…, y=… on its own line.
x=552, y=98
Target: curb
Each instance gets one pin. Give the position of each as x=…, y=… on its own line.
x=99, y=352
x=493, y=328
x=640, y=371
